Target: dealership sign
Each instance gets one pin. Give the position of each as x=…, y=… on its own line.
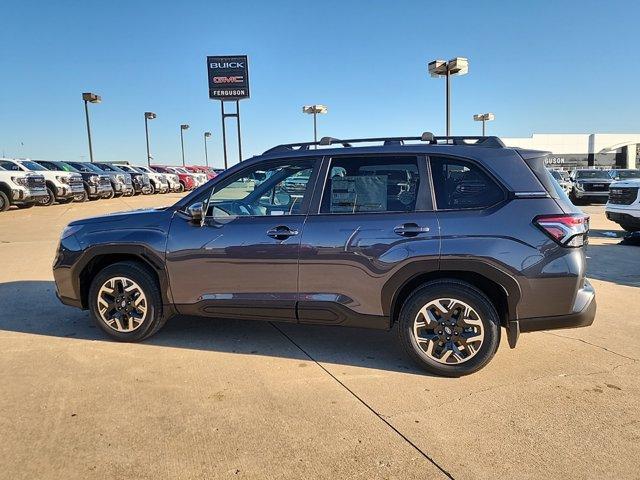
x=228, y=77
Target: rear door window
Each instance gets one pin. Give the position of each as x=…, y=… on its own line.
x=371, y=184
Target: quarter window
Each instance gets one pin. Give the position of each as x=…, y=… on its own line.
x=371, y=184
x=459, y=184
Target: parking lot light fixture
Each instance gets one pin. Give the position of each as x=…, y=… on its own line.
x=206, y=156
x=89, y=97
x=183, y=127
x=148, y=116
x=484, y=117
x=315, y=110
x=441, y=68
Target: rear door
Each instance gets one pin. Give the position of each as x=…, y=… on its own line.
x=370, y=223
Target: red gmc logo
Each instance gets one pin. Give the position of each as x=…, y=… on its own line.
x=235, y=79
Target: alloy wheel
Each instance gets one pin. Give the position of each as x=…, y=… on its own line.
x=122, y=304
x=448, y=331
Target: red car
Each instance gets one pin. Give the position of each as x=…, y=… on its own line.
x=186, y=180
x=206, y=170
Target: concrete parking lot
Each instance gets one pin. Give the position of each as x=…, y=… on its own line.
x=214, y=399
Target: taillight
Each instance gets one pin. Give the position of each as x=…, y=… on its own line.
x=568, y=230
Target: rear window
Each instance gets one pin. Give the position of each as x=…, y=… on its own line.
x=459, y=184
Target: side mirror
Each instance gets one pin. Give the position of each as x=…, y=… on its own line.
x=282, y=198
x=196, y=212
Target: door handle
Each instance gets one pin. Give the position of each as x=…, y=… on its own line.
x=281, y=232
x=410, y=229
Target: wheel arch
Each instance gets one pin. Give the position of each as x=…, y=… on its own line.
x=501, y=289
x=100, y=258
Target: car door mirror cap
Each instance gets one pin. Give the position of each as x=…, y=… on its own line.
x=196, y=212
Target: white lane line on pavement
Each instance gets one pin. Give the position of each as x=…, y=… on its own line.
x=418, y=449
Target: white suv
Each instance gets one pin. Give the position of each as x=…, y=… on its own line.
x=61, y=186
x=21, y=189
x=623, y=206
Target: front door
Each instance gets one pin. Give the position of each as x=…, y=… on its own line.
x=372, y=229
x=242, y=262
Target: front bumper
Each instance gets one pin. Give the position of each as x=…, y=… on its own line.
x=123, y=188
x=99, y=190
x=23, y=195
x=582, y=315
x=620, y=216
x=588, y=194
x=68, y=191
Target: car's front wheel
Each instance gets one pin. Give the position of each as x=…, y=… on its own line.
x=125, y=302
x=449, y=328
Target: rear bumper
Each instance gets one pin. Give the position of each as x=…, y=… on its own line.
x=583, y=314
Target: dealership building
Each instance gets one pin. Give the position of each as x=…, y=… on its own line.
x=605, y=150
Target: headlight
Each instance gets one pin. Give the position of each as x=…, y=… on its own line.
x=19, y=181
x=62, y=179
x=120, y=178
x=69, y=230
x=579, y=186
x=94, y=179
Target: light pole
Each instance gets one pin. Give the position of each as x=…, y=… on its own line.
x=315, y=110
x=183, y=127
x=206, y=156
x=148, y=116
x=89, y=97
x=484, y=117
x=440, y=68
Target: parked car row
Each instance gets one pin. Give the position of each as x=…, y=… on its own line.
x=619, y=187
x=25, y=183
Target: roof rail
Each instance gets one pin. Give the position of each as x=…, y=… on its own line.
x=425, y=137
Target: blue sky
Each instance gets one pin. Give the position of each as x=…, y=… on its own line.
x=557, y=66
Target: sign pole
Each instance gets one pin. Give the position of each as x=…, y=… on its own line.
x=224, y=136
x=239, y=137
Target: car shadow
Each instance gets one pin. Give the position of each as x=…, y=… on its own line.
x=32, y=307
x=615, y=262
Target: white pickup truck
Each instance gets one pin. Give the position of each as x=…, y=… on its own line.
x=62, y=187
x=21, y=189
x=623, y=206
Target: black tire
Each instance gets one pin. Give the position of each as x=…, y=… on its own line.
x=49, y=199
x=83, y=198
x=24, y=206
x=450, y=288
x=182, y=187
x=64, y=201
x=4, y=202
x=110, y=195
x=153, y=319
x=152, y=189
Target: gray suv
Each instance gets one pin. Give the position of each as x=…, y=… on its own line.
x=450, y=239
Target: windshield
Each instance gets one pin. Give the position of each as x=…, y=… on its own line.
x=85, y=167
x=67, y=168
x=592, y=174
x=109, y=168
x=628, y=174
x=33, y=166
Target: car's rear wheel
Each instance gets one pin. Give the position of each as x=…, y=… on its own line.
x=125, y=302
x=110, y=195
x=449, y=328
